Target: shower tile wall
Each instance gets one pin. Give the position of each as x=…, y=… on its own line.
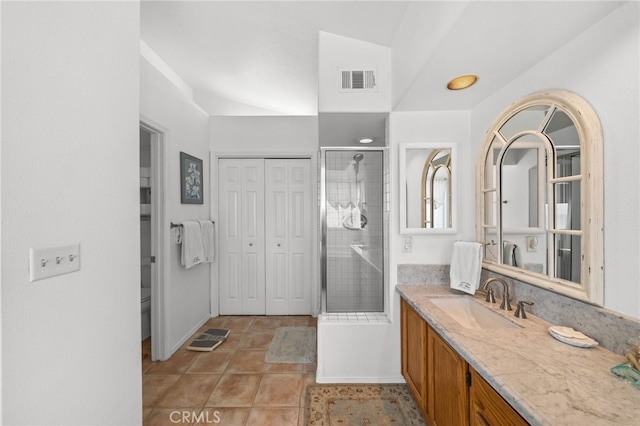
x=352, y=284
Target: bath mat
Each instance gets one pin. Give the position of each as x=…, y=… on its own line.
x=292, y=345
x=366, y=404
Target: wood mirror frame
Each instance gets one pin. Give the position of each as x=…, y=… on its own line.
x=590, y=234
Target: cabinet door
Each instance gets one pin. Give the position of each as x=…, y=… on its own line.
x=414, y=353
x=241, y=217
x=448, y=397
x=288, y=236
x=488, y=407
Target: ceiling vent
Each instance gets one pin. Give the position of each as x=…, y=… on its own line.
x=358, y=80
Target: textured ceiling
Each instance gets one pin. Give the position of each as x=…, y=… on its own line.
x=261, y=57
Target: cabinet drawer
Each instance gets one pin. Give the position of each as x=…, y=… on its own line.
x=488, y=407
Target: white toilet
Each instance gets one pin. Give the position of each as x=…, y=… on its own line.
x=145, y=312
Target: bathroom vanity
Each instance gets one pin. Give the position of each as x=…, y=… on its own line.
x=511, y=373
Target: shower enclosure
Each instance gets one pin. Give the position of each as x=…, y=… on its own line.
x=352, y=230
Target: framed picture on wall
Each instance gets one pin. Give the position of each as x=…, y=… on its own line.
x=191, y=179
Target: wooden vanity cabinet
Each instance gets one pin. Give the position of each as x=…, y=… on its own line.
x=448, y=391
x=448, y=402
x=487, y=407
x=435, y=373
x=414, y=353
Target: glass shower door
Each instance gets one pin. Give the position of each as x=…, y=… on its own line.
x=352, y=230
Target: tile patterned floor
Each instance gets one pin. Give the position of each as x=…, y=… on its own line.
x=231, y=385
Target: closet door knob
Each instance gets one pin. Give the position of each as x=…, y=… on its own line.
x=278, y=244
x=250, y=244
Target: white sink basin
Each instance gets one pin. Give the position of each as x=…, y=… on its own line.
x=471, y=314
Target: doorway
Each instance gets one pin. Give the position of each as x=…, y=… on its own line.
x=153, y=238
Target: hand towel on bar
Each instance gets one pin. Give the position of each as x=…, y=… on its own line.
x=206, y=226
x=507, y=251
x=192, y=249
x=466, y=265
x=511, y=254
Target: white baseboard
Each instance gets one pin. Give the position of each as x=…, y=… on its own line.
x=379, y=380
x=190, y=333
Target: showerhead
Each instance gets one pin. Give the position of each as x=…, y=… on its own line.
x=358, y=157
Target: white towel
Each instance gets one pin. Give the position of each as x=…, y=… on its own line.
x=338, y=194
x=511, y=254
x=192, y=249
x=466, y=265
x=206, y=226
x=338, y=188
x=355, y=218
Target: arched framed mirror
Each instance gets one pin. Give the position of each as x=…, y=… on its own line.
x=427, y=173
x=539, y=195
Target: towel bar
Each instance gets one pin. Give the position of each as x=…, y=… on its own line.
x=177, y=225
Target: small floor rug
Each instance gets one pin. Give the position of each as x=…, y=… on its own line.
x=292, y=345
x=342, y=405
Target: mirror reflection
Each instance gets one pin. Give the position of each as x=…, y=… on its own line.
x=522, y=163
x=426, y=188
x=436, y=190
x=523, y=200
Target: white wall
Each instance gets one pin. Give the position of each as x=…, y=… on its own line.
x=1, y=138
x=273, y=134
x=432, y=127
x=187, y=130
x=71, y=344
x=336, y=52
x=601, y=65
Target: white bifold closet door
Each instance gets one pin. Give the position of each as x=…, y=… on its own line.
x=265, y=242
x=288, y=239
x=241, y=230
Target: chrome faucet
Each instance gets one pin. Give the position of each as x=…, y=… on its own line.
x=505, y=292
x=490, y=297
x=520, y=313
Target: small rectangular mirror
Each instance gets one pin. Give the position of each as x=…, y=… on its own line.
x=427, y=188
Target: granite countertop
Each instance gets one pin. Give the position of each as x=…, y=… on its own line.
x=548, y=382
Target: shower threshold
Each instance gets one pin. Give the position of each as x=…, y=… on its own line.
x=354, y=317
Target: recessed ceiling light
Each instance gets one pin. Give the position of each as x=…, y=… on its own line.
x=365, y=140
x=462, y=82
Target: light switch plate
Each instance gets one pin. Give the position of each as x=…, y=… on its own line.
x=407, y=244
x=49, y=262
